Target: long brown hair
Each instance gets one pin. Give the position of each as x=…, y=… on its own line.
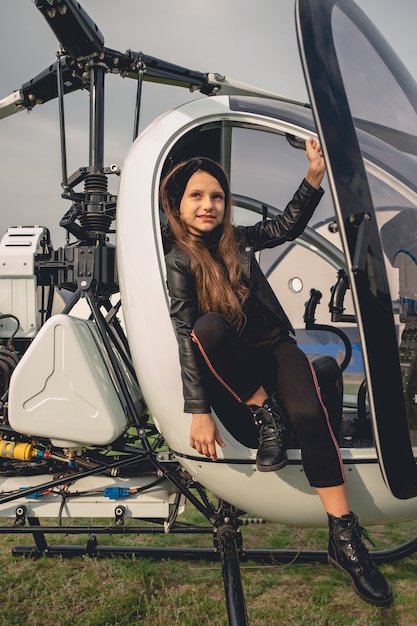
x=221, y=285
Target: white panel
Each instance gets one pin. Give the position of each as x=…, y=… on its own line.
x=18, y=283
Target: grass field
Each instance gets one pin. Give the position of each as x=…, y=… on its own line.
x=102, y=592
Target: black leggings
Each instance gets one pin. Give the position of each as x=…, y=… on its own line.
x=239, y=365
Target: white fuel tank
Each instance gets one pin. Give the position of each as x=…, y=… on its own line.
x=62, y=389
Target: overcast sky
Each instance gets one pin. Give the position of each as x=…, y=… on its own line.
x=253, y=42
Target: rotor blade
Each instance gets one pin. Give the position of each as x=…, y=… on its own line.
x=11, y=104
x=154, y=69
x=220, y=85
x=44, y=86
x=73, y=27
x=160, y=71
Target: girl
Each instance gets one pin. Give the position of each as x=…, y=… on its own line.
x=228, y=321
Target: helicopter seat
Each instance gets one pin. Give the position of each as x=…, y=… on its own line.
x=330, y=379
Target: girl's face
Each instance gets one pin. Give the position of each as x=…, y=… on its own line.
x=202, y=204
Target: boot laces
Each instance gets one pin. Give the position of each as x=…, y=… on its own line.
x=271, y=429
x=358, y=551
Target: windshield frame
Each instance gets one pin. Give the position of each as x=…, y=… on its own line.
x=358, y=226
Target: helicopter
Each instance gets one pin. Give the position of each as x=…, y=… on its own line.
x=92, y=420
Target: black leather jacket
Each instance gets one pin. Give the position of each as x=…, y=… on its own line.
x=181, y=286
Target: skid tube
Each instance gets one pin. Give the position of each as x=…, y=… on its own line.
x=221, y=536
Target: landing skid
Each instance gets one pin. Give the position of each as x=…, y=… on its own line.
x=227, y=548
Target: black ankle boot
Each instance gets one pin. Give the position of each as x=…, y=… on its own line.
x=348, y=553
x=271, y=455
